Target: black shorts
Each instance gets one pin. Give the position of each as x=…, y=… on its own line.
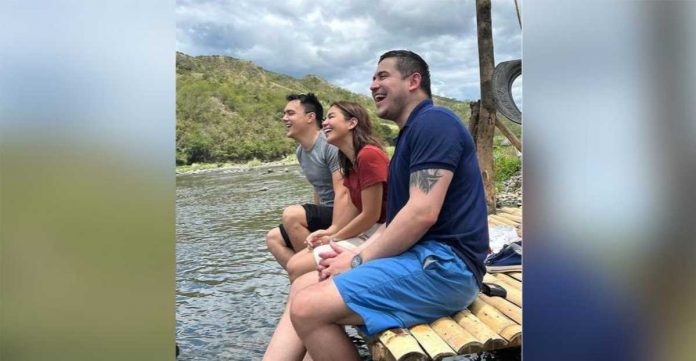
x=318, y=217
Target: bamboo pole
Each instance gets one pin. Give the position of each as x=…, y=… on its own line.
x=492, y=222
x=515, y=275
x=401, y=345
x=512, y=217
x=511, y=210
x=461, y=340
x=502, y=220
x=509, y=280
x=379, y=352
x=508, y=134
x=508, y=308
x=513, y=295
x=495, y=319
x=478, y=329
x=429, y=340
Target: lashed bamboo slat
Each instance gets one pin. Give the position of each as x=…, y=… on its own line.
x=492, y=222
x=510, y=210
x=509, y=280
x=502, y=220
x=402, y=346
x=508, y=308
x=512, y=217
x=461, y=340
x=515, y=275
x=471, y=323
x=513, y=295
x=431, y=342
x=495, y=319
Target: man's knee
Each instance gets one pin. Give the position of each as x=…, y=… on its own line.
x=274, y=239
x=293, y=215
x=302, y=307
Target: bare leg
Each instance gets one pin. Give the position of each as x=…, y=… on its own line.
x=276, y=245
x=285, y=345
x=302, y=262
x=318, y=314
x=295, y=223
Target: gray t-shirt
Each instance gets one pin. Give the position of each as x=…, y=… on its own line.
x=318, y=164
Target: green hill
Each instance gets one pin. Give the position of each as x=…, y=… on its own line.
x=230, y=110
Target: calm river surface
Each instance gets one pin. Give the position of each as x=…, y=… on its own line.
x=230, y=291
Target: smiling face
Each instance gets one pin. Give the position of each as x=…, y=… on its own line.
x=389, y=90
x=337, y=126
x=295, y=119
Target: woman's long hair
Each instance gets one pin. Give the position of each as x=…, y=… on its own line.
x=362, y=133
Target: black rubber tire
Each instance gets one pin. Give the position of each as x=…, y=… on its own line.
x=504, y=75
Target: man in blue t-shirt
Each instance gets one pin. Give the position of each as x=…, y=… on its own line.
x=427, y=262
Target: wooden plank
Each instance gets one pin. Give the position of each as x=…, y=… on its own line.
x=502, y=220
x=494, y=223
x=506, y=307
x=511, y=210
x=478, y=329
x=499, y=323
x=429, y=340
x=515, y=275
x=511, y=217
x=513, y=295
x=401, y=345
x=461, y=340
x=509, y=280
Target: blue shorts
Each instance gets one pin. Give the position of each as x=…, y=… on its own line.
x=426, y=282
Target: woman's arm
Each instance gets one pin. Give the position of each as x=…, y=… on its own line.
x=371, y=210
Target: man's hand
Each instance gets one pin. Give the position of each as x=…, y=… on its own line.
x=335, y=261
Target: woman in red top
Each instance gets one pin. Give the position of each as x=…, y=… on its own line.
x=364, y=167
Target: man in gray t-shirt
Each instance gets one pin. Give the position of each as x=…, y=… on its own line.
x=302, y=117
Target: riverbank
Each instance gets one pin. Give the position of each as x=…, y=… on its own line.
x=291, y=159
x=197, y=168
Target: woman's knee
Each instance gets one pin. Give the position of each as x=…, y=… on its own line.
x=300, y=264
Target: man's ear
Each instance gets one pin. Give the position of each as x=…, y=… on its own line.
x=311, y=117
x=414, y=82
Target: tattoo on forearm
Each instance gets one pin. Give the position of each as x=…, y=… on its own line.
x=425, y=179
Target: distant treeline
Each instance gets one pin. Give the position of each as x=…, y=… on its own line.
x=230, y=110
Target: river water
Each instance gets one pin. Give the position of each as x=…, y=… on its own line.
x=230, y=290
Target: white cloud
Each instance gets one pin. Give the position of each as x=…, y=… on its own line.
x=341, y=41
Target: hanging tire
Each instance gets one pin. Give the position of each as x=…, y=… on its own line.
x=504, y=75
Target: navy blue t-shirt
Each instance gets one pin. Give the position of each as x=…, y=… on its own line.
x=434, y=138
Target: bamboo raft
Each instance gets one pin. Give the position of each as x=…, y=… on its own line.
x=489, y=323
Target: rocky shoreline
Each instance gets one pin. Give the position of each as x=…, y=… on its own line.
x=511, y=196
x=235, y=167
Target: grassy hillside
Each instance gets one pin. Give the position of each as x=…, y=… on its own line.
x=230, y=110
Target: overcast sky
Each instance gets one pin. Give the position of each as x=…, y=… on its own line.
x=340, y=41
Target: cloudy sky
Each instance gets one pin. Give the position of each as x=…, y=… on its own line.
x=341, y=41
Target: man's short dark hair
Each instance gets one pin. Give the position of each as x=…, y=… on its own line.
x=407, y=63
x=311, y=104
